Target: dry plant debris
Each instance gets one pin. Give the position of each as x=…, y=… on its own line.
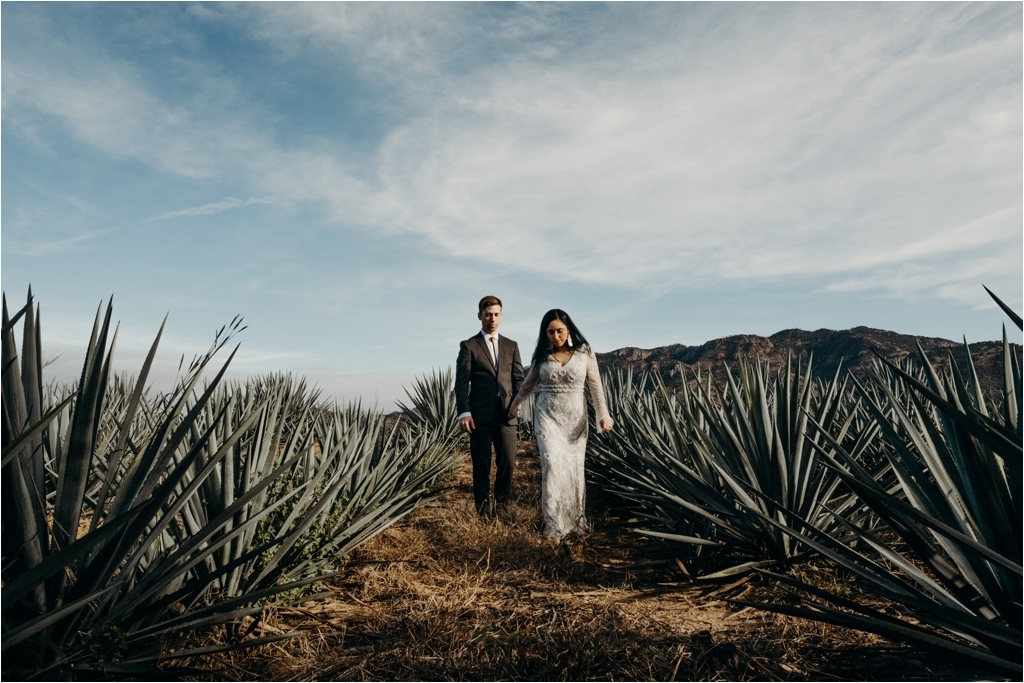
x=446, y=595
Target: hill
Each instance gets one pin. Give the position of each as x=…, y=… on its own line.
x=852, y=348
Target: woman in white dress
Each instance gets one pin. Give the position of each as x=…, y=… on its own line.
x=563, y=364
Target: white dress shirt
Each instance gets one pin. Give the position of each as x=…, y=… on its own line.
x=493, y=348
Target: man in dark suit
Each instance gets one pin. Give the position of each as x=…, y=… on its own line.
x=487, y=377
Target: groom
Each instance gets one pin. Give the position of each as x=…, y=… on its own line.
x=487, y=377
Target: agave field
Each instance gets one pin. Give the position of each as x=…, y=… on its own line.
x=133, y=520
x=143, y=530
x=908, y=483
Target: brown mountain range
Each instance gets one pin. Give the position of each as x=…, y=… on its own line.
x=853, y=348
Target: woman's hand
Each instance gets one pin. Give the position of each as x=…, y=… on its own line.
x=606, y=424
x=513, y=410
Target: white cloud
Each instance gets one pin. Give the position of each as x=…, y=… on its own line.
x=207, y=209
x=744, y=171
x=110, y=108
x=868, y=143
x=915, y=280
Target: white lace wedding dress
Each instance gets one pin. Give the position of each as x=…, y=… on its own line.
x=560, y=422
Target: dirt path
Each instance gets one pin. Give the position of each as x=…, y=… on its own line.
x=445, y=595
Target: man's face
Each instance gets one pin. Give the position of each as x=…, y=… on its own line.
x=490, y=317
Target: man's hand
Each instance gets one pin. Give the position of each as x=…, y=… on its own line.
x=606, y=424
x=467, y=425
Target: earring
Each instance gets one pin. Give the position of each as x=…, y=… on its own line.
x=568, y=340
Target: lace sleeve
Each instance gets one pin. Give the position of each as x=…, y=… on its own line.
x=596, y=387
x=527, y=387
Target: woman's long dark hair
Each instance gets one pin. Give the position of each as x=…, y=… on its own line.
x=544, y=346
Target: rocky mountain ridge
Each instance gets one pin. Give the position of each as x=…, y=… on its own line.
x=853, y=348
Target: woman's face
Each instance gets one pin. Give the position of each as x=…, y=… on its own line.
x=558, y=333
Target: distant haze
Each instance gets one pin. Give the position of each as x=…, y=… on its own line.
x=848, y=350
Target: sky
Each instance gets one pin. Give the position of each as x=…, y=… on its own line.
x=352, y=178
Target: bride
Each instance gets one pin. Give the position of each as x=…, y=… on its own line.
x=562, y=364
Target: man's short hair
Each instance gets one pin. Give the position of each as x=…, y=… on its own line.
x=487, y=302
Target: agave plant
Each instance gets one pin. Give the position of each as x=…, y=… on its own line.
x=696, y=466
x=955, y=576
x=347, y=481
x=526, y=431
x=66, y=586
x=637, y=464
x=130, y=522
x=432, y=416
x=433, y=403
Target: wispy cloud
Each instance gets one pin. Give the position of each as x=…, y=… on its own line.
x=37, y=247
x=207, y=209
x=801, y=149
x=915, y=280
x=648, y=147
x=40, y=247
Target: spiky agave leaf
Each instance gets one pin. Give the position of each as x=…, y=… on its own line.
x=710, y=464
x=349, y=481
x=433, y=402
x=127, y=571
x=956, y=511
x=96, y=572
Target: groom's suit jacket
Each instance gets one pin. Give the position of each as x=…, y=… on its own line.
x=479, y=386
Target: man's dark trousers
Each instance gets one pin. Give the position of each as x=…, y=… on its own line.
x=502, y=436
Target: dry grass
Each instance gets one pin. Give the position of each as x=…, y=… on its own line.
x=445, y=595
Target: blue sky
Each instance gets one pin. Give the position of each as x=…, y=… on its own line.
x=352, y=178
